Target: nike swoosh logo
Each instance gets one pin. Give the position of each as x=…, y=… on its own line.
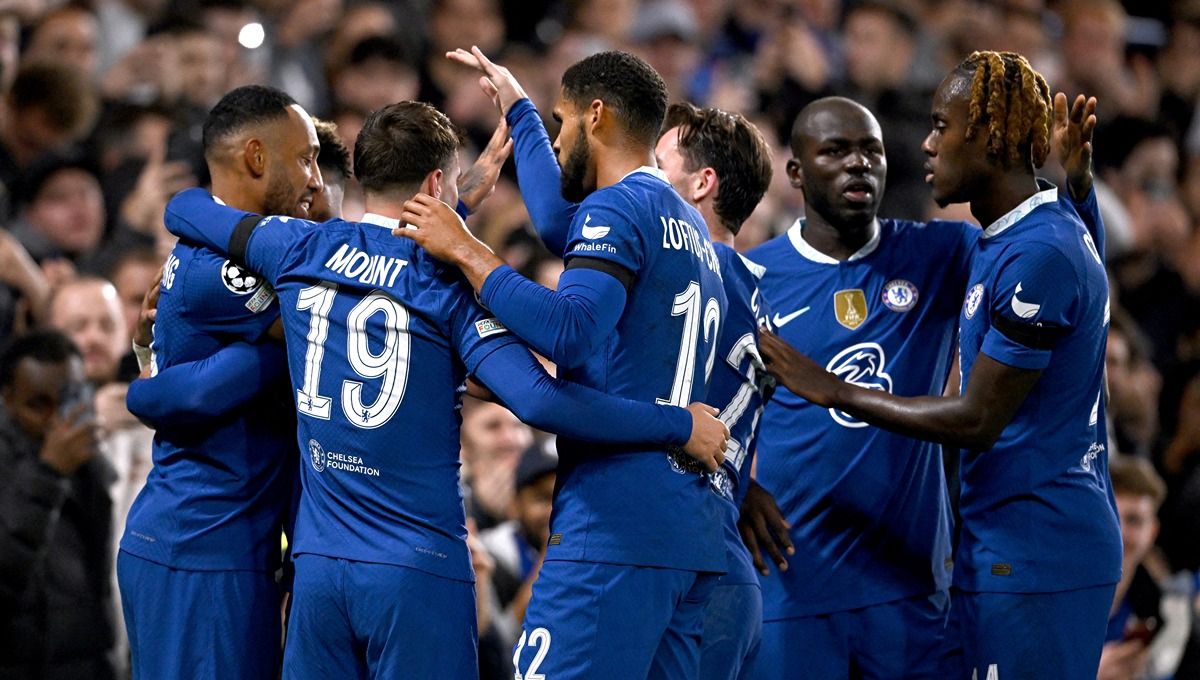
x=1024, y=310
x=783, y=320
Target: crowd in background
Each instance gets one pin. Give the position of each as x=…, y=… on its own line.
x=100, y=117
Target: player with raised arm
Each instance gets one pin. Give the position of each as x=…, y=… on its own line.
x=201, y=544
x=1040, y=551
x=636, y=540
x=720, y=163
x=380, y=338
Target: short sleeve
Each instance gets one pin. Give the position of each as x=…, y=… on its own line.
x=1033, y=306
x=605, y=228
x=474, y=331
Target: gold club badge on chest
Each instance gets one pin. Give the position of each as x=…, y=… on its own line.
x=850, y=307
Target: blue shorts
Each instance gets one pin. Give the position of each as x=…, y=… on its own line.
x=364, y=620
x=732, y=632
x=604, y=621
x=1030, y=635
x=901, y=639
x=199, y=624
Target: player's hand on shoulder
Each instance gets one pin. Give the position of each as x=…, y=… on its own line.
x=436, y=228
x=709, y=436
x=801, y=375
x=763, y=527
x=497, y=82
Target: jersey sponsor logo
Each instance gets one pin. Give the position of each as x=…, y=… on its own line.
x=238, y=279
x=487, y=327
x=592, y=233
x=169, y=271
x=316, y=455
x=863, y=365
x=974, y=297
x=850, y=307
x=1025, y=310
x=781, y=321
x=899, y=295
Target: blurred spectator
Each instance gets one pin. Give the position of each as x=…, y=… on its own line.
x=517, y=548
x=132, y=275
x=64, y=217
x=67, y=35
x=1133, y=385
x=880, y=44
x=56, y=607
x=377, y=73
x=89, y=312
x=1137, y=645
x=1093, y=42
x=492, y=442
x=49, y=107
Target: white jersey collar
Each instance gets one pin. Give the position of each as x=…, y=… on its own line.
x=1016, y=214
x=796, y=236
x=657, y=172
x=380, y=221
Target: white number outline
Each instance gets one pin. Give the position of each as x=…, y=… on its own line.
x=687, y=305
x=391, y=364
x=539, y=638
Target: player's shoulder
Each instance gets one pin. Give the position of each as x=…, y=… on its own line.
x=639, y=192
x=771, y=252
x=949, y=231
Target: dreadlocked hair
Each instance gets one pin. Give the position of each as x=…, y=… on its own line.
x=1013, y=101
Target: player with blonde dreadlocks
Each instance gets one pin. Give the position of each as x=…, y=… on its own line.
x=1040, y=549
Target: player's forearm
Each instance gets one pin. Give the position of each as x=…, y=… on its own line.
x=575, y=411
x=208, y=389
x=945, y=420
x=538, y=176
x=565, y=325
x=193, y=215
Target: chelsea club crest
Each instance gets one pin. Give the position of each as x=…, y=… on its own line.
x=974, y=297
x=899, y=295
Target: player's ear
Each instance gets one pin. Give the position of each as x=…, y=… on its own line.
x=433, y=183
x=596, y=116
x=795, y=173
x=704, y=184
x=254, y=154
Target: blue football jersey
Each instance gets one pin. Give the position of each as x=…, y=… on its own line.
x=380, y=339
x=632, y=505
x=740, y=387
x=1038, y=513
x=217, y=495
x=869, y=509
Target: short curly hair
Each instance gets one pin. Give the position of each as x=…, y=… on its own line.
x=626, y=84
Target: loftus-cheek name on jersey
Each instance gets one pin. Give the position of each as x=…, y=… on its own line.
x=679, y=235
x=371, y=270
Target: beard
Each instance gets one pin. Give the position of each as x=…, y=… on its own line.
x=574, y=172
x=281, y=199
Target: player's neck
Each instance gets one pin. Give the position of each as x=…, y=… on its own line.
x=1002, y=195
x=383, y=205
x=717, y=231
x=838, y=242
x=234, y=192
x=612, y=163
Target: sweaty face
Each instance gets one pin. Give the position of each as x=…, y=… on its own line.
x=293, y=178
x=843, y=166
x=955, y=166
x=574, y=156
